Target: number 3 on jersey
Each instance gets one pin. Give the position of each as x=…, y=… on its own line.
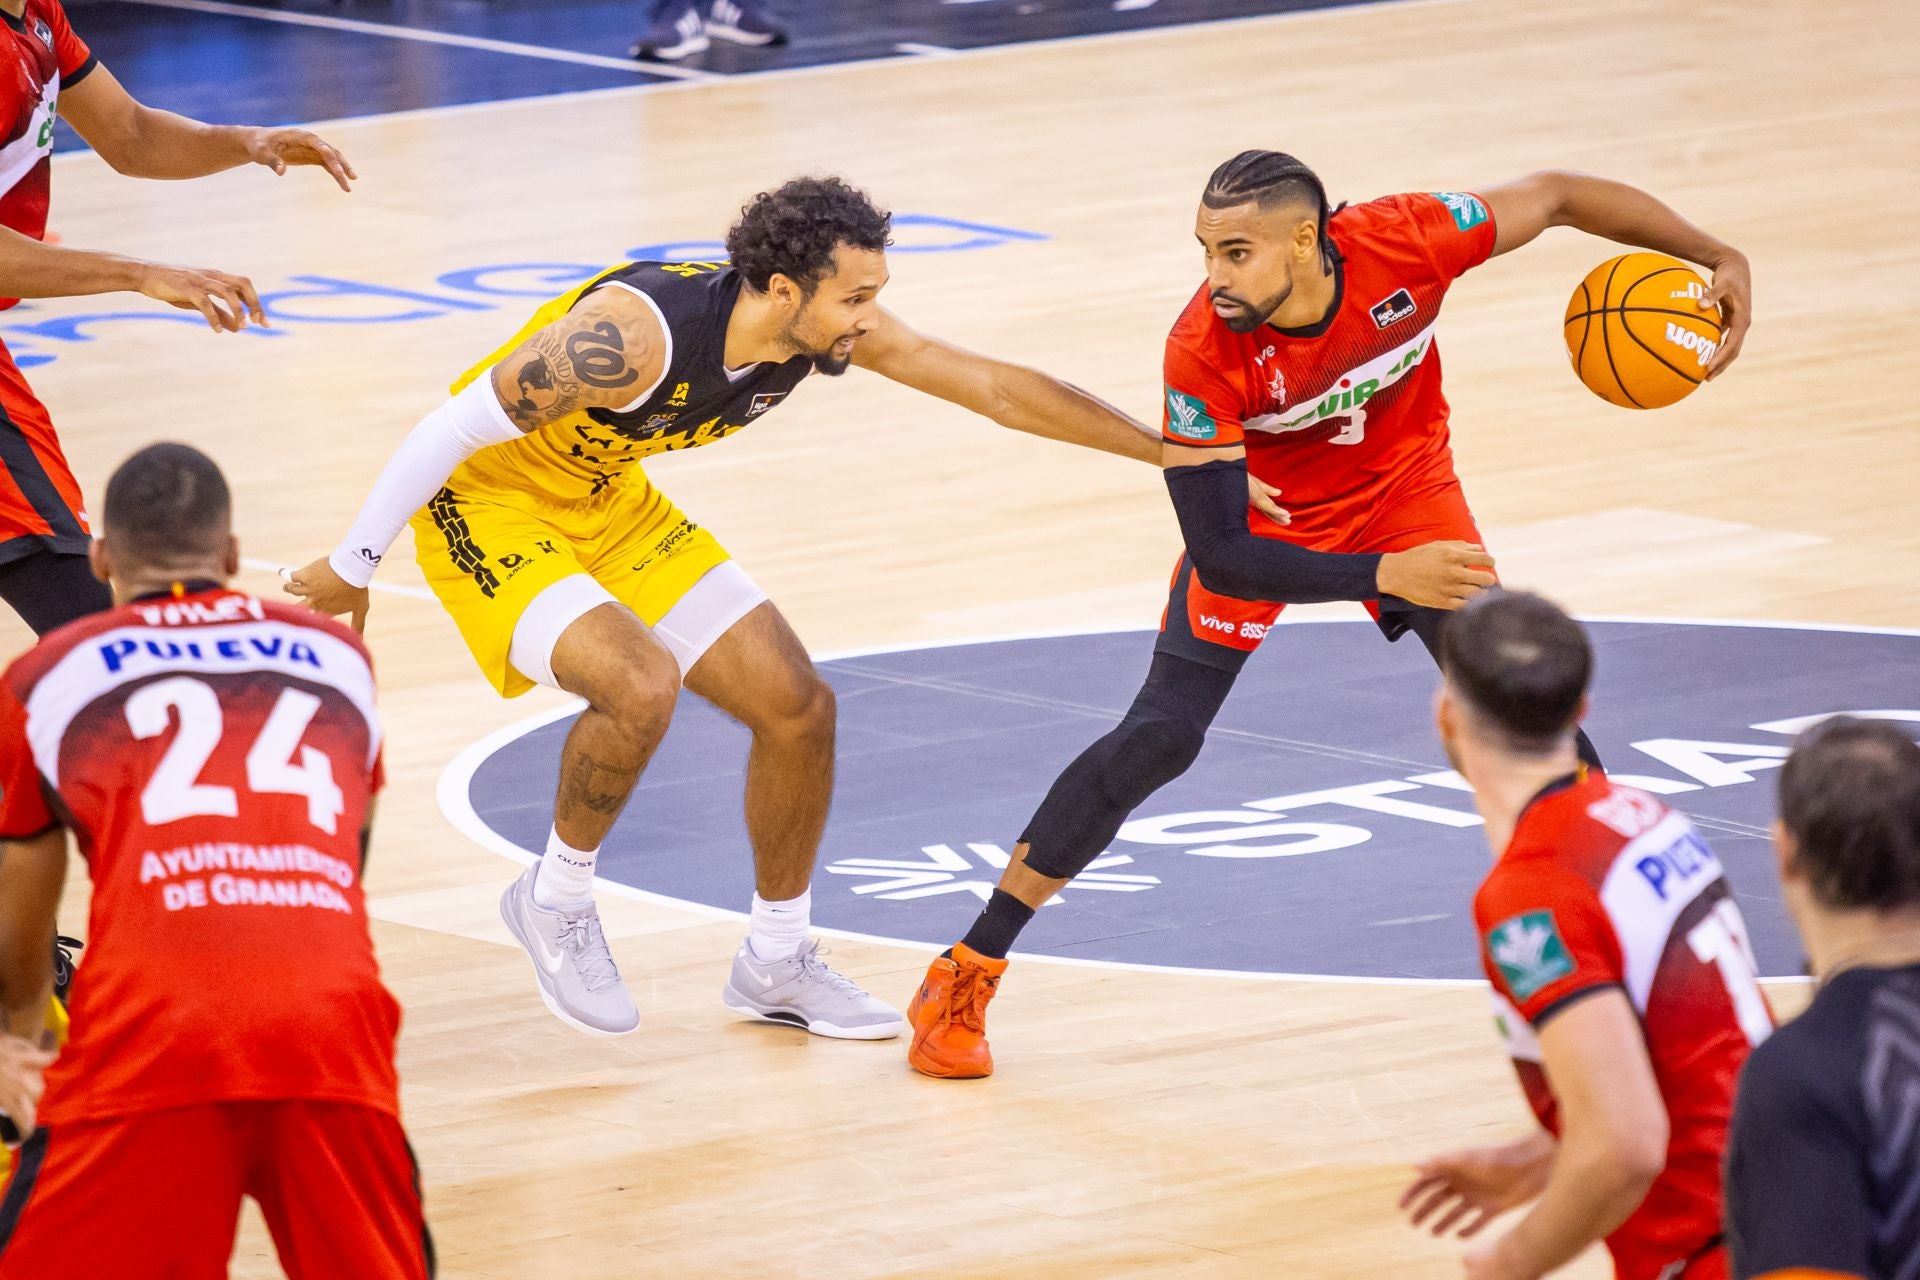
x=175, y=790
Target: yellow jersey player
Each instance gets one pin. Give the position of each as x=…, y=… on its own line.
x=540, y=532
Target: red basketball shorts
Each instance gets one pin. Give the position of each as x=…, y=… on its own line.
x=159, y=1194
x=1222, y=631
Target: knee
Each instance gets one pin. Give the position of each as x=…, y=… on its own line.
x=620, y=670
x=800, y=709
x=1154, y=750
x=639, y=698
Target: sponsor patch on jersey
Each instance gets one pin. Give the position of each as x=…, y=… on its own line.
x=41, y=29
x=1529, y=952
x=1187, y=417
x=1467, y=210
x=1392, y=310
x=763, y=402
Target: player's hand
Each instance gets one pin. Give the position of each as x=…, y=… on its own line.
x=1439, y=575
x=22, y=1065
x=227, y=302
x=1261, y=495
x=278, y=148
x=329, y=593
x=1469, y=1188
x=1732, y=292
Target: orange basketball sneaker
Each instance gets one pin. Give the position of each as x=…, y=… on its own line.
x=949, y=1016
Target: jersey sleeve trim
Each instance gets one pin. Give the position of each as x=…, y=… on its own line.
x=1560, y=1004
x=10, y=837
x=80, y=72
x=1809, y=1273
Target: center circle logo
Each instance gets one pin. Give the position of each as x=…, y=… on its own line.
x=1319, y=834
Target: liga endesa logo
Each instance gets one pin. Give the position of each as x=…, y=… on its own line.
x=1318, y=834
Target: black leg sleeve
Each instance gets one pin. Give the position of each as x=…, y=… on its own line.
x=49, y=589
x=1157, y=741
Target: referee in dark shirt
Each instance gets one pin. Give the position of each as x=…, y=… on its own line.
x=1823, y=1166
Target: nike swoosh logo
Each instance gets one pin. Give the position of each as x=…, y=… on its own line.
x=550, y=960
x=766, y=983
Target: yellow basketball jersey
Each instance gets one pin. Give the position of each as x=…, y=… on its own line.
x=588, y=455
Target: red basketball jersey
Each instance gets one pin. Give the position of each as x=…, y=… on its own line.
x=215, y=756
x=42, y=56
x=1346, y=415
x=1605, y=887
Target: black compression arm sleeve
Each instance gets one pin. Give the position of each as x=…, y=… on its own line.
x=1211, y=501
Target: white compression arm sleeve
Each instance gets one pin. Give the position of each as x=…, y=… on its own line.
x=458, y=429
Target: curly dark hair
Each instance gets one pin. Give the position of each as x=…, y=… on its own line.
x=794, y=231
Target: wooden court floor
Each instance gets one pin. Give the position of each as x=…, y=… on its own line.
x=1142, y=1124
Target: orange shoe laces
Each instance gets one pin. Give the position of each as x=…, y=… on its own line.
x=972, y=988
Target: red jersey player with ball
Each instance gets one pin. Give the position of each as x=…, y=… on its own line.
x=1307, y=360
x=1622, y=978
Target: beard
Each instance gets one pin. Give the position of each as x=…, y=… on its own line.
x=1250, y=316
x=823, y=358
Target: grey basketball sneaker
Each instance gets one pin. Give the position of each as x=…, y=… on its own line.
x=577, y=976
x=802, y=991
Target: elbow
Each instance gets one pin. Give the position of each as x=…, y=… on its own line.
x=121, y=155
x=1005, y=407
x=118, y=160
x=1213, y=567
x=1634, y=1158
x=1562, y=187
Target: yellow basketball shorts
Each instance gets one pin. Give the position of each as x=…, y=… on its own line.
x=487, y=550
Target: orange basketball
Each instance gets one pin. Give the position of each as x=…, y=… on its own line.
x=1637, y=333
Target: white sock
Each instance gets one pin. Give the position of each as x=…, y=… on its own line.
x=564, y=880
x=777, y=930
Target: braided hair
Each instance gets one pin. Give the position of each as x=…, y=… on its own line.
x=1268, y=178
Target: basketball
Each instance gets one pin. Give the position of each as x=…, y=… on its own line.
x=1636, y=331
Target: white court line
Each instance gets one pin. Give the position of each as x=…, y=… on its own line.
x=454, y=794
x=924, y=50
x=358, y=27
x=268, y=566
x=691, y=79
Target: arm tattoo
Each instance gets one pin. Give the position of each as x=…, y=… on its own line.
x=599, y=356
x=540, y=384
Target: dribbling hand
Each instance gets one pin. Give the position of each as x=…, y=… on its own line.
x=1438, y=575
x=1732, y=292
x=325, y=591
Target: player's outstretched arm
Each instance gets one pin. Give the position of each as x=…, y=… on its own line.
x=1525, y=207
x=1012, y=395
x=1209, y=492
x=603, y=354
x=143, y=142
x=30, y=269
x=1613, y=1139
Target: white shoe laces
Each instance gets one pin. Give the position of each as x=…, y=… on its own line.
x=813, y=964
x=583, y=942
